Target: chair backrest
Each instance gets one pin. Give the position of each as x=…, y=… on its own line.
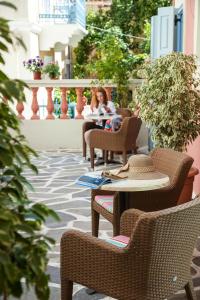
x=129, y=131
x=124, y=112
x=173, y=163
x=161, y=247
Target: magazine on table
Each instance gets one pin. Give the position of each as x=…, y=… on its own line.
x=93, y=180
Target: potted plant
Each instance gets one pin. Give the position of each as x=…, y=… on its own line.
x=34, y=65
x=23, y=248
x=52, y=69
x=170, y=101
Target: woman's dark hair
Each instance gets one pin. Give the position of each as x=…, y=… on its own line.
x=105, y=98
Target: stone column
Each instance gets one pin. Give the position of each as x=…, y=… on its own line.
x=93, y=99
x=50, y=104
x=79, y=106
x=109, y=92
x=20, y=108
x=64, y=105
x=34, y=106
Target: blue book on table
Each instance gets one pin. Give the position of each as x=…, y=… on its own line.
x=92, y=181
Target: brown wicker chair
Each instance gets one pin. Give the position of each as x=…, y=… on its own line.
x=124, y=112
x=122, y=140
x=152, y=265
x=175, y=164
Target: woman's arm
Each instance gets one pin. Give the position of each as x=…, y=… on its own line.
x=111, y=107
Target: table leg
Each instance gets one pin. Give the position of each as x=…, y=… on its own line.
x=123, y=202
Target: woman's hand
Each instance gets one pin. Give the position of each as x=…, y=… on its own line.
x=107, y=109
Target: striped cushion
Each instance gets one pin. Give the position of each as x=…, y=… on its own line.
x=120, y=241
x=105, y=201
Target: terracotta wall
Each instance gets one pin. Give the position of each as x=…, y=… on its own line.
x=190, y=14
x=189, y=26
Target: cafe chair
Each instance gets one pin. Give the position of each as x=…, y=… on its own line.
x=124, y=112
x=172, y=163
x=123, y=140
x=150, y=260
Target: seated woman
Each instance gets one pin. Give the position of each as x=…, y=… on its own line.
x=100, y=105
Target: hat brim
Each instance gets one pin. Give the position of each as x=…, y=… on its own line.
x=144, y=176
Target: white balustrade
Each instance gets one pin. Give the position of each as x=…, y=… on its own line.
x=65, y=85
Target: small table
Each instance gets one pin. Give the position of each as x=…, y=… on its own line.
x=104, y=117
x=125, y=186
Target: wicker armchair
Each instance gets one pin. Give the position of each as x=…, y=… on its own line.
x=152, y=264
x=122, y=140
x=175, y=164
x=124, y=112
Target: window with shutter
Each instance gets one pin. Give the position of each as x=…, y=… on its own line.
x=163, y=35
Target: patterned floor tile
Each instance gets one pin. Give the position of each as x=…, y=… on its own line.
x=55, y=187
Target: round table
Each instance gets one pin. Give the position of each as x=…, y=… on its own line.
x=133, y=185
x=127, y=186
x=104, y=117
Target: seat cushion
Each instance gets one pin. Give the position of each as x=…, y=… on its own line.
x=106, y=201
x=120, y=241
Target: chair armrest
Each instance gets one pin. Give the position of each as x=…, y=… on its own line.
x=85, y=258
x=128, y=221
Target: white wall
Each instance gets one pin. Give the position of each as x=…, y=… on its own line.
x=62, y=134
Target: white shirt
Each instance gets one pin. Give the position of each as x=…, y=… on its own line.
x=101, y=109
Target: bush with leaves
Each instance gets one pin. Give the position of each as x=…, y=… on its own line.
x=114, y=61
x=23, y=249
x=170, y=100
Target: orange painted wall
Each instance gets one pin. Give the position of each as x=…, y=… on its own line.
x=189, y=26
x=194, y=148
x=194, y=151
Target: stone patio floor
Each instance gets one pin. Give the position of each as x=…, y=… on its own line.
x=55, y=186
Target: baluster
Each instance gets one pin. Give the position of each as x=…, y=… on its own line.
x=34, y=106
x=20, y=108
x=79, y=106
x=93, y=100
x=50, y=104
x=64, y=105
x=108, y=92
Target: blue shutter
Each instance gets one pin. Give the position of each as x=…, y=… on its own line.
x=162, y=34
x=154, y=37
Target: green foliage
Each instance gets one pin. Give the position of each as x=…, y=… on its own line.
x=52, y=69
x=131, y=16
x=87, y=45
x=23, y=249
x=114, y=61
x=170, y=101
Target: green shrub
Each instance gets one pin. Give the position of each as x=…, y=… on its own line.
x=170, y=100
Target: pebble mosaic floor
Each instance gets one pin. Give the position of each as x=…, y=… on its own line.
x=54, y=186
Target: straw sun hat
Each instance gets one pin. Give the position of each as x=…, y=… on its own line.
x=139, y=166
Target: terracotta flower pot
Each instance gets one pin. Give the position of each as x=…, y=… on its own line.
x=186, y=194
x=37, y=75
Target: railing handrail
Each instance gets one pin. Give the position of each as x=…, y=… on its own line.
x=75, y=83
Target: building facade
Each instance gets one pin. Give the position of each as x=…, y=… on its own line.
x=177, y=28
x=49, y=28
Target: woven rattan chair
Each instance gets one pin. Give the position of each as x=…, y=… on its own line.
x=122, y=140
x=124, y=112
x=175, y=164
x=150, y=260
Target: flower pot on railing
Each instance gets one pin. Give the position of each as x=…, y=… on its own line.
x=35, y=65
x=37, y=75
